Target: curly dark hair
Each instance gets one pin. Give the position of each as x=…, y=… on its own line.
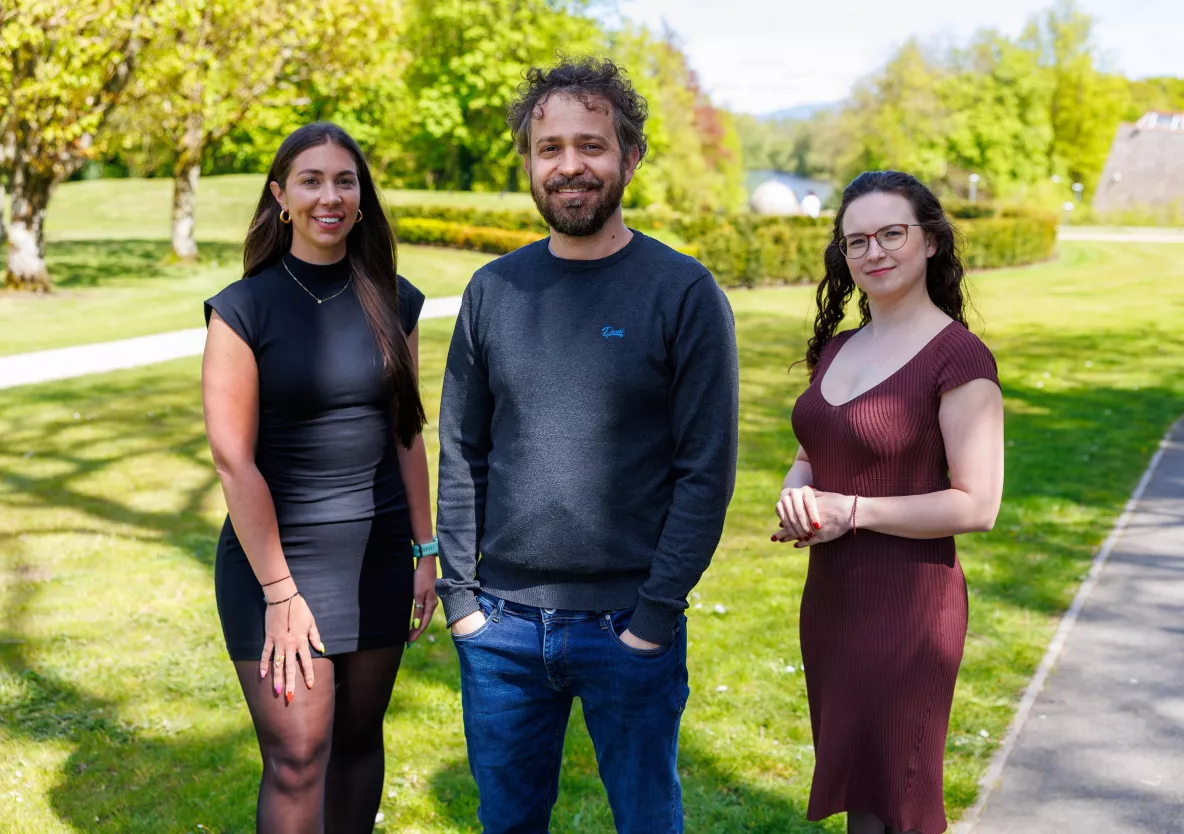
x=591, y=80
x=943, y=273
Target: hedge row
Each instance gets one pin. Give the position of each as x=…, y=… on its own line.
x=461, y=236
x=740, y=250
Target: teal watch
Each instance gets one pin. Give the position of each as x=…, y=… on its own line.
x=429, y=549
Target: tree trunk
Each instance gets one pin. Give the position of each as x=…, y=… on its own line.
x=25, y=263
x=185, y=177
x=185, y=174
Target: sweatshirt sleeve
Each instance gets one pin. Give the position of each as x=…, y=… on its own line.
x=704, y=417
x=466, y=413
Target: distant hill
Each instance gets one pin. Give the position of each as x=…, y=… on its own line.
x=800, y=112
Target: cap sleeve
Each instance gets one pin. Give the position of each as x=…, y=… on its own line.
x=960, y=358
x=235, y=305
x=410, y=304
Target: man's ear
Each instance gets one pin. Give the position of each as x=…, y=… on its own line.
x=632, y=159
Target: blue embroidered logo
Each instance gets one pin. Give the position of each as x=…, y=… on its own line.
x=608, y=333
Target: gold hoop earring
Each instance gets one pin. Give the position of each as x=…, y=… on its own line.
x=358, y=219
x=285, y=217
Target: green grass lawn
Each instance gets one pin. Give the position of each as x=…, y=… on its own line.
x=119, y=711
x=142, y=208
x=110, y=270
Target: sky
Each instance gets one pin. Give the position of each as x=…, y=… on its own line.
x=758, y=56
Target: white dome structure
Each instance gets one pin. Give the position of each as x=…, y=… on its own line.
x=772, y=197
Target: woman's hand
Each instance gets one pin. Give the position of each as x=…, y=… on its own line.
x=810, y=517
x=291, y=632
x=425, y=597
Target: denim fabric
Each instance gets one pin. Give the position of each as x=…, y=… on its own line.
x=519, y=674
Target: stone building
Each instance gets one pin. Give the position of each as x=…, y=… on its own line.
x=1145, y=168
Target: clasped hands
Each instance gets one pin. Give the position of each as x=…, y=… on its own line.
x=809, y=517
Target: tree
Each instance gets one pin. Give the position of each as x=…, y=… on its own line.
x=219, y=59
x=467, y=59
x=1086, y=104
x=66, y=66
x=896, y=119
x=998, y=100
x=695, y=159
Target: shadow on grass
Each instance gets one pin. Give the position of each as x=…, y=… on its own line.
x=91, y=264
x=1062, y=492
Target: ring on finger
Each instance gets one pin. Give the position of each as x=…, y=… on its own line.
x=418, y=606
x=279, y=658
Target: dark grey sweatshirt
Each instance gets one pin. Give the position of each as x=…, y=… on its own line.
x=588, y=433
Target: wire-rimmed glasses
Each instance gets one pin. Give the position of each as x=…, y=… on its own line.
x=890, y=238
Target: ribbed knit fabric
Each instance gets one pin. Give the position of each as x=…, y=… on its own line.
x=883, y=618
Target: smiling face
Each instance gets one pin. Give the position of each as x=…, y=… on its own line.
x=322, y=195
x=887, y=273
x=577, y=172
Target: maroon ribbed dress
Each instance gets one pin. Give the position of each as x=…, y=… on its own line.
x=884, y=618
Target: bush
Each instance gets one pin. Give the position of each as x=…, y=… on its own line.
x=1008, y=241
x=741, y=250
x=460, y=236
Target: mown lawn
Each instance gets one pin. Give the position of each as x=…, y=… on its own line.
x=120, y=713
x=107, y=251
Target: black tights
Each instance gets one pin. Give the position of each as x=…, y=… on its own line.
x=322, y=754
x=859, y=822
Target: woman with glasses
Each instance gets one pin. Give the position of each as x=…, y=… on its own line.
x=901, y=434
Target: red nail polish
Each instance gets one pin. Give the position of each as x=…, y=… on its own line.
x=817, y=526
x=289, y=696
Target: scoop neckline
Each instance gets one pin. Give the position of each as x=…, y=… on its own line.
x=932, y=341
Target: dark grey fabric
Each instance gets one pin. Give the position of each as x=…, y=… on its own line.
x=588, y=433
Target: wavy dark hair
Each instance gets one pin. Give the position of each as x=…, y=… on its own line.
x=588, y=79
x=371, y=250
x=943, y=272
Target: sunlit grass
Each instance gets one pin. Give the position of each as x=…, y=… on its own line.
x=117, y=701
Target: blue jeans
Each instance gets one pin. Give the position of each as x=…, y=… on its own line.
x=519, y=673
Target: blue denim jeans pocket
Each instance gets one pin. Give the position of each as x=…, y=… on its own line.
x=489, y=607
x=618, y=622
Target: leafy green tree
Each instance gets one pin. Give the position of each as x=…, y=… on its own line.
x=695, y=158
x=998, y=125
x=1086, y=104
x=65, y=67
x=897, y=119
x=467, y=59
x=218, y=60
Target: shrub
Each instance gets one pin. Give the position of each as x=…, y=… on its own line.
x=460, y=236
x=1008, y=241
x=741, y=250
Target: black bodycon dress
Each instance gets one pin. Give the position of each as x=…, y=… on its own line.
x=327, y=450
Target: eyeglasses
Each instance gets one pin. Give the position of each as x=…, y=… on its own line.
x=890, y=238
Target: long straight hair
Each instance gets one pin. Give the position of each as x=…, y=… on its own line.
x=943, y=271
x=371, y=252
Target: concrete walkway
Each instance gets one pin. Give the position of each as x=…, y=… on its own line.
x=65, y=363
x=1121, y=234
x=1097, y=746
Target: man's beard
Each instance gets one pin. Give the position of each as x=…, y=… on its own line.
x=594, y=209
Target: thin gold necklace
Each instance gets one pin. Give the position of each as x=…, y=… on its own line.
x=318, y=300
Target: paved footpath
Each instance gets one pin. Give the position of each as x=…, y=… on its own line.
x=1100, y=749
x=65, y=363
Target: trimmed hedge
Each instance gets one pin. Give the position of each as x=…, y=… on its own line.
x=460, y=236
x=740, y=249
x=1008, y=241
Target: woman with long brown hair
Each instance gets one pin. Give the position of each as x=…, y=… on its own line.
x=901, y=434
x=312, y=407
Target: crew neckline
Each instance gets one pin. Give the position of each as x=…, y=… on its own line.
x=579, y=265
x=321, y=274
